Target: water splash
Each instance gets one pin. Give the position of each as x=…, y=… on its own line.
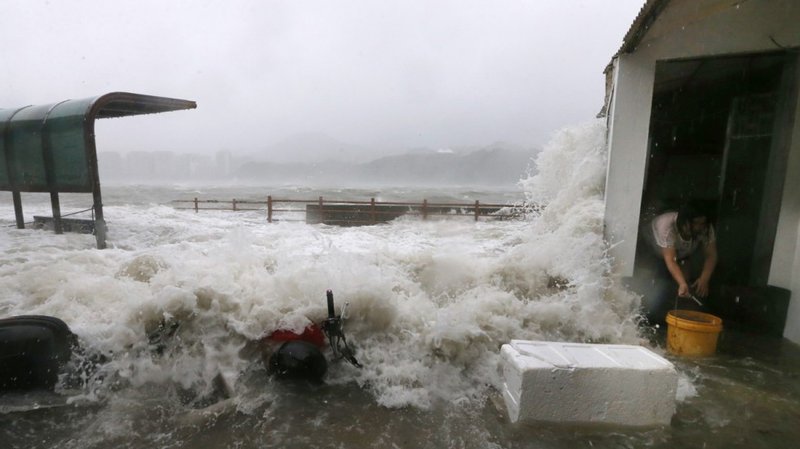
x=430, y=302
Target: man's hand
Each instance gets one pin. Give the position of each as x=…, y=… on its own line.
x=700, y=286
x=671, y=260
x=683, y=290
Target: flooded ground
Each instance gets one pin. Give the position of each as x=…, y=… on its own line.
x=748, y=395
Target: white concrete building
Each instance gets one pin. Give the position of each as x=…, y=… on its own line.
x=703, y=105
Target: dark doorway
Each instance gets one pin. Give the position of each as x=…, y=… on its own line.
x=718, y=137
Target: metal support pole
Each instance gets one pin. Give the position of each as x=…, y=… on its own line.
x=195, y=205
x=424, y=209
x=234, y=204
x=56, y=205
x=372, y=210
x=321, y=212
x=99, y=221
x=269, y=208
x=18, y=209
x=477, y=210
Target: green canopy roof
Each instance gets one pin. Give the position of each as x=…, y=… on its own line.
x=51, y=148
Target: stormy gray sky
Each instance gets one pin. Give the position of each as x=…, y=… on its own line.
x=384, y=75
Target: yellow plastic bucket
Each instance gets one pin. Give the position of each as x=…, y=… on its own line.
x=692, y=333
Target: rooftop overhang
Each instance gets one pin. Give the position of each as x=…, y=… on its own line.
x=641, y=24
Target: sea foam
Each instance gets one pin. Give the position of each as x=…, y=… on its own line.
x=430, y=302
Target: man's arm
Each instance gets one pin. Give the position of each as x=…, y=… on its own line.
x=671, y=259
x=701, y=284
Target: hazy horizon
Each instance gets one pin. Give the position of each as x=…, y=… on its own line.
x=493, y=165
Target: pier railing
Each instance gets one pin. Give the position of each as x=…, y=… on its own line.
x=353, y=213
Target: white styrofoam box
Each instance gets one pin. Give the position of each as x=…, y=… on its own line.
x=587, y=383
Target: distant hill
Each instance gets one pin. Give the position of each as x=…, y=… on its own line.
x=313, y=147
x=488, y=166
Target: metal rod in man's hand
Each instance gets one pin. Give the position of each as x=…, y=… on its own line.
x=696, y=300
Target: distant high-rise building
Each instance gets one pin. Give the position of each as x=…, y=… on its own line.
x=224, y=160
x=141, y=165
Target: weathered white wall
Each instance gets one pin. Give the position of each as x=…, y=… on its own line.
x=792, y=330
x=690, y=29
x=628, y=130
x=785, y=269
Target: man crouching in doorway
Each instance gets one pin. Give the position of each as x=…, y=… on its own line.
x=677, y=239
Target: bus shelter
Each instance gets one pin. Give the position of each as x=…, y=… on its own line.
x=51, y=148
